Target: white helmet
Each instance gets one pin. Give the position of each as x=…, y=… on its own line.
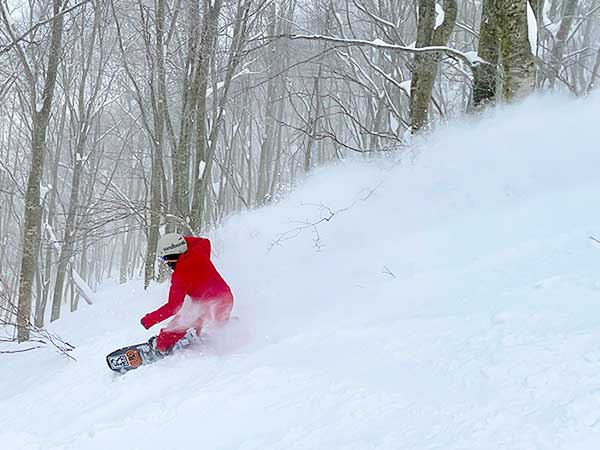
x=171, y=244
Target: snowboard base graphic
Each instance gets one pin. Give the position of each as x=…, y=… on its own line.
x=131, y=357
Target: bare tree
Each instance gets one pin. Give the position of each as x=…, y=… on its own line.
x=82, y=109
x=40, y=119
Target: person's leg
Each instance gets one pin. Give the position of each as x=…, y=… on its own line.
x=167, y=339
x=223, y=309
x=198, y=326
x=215, y=312
x=176, y=329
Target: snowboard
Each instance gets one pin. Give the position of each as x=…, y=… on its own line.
x=129, y=358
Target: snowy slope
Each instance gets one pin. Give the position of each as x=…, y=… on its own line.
x=451, y=301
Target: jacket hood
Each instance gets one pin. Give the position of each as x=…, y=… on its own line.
x=198, y=244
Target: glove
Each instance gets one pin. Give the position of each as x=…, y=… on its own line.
x=144, y=322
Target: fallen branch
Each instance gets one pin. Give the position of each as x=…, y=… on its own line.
x=3, y=352
x=39, y=335
x=327, y=214
x=387, y=271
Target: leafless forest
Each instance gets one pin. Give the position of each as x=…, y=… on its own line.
x=120, y=119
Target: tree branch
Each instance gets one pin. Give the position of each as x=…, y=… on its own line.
x=378, y=43
x=12, y=44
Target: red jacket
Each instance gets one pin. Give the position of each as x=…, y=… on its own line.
x=194, y=276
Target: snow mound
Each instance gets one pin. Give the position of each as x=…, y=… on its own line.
x=447, y=297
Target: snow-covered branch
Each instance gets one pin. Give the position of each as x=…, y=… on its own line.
x=468, y=58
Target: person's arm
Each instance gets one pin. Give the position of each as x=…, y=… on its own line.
x=176, y=296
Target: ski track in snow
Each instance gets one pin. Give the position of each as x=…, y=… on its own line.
x=457, y=308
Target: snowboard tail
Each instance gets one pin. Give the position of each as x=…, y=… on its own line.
x=131, y=357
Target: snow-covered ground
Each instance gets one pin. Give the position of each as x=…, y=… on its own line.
x=448, y=299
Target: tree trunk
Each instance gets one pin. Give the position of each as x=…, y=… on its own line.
x=160, y=106
x=485, y=78
x=314, y=122
x=31, y=235
x=517, y=60
x=426, y=64
x=66, y=251
x=561, y=40
x=203, y=186
x=202, y=167
x=595, y=74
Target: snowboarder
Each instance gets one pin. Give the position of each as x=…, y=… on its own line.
x=198, y=294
